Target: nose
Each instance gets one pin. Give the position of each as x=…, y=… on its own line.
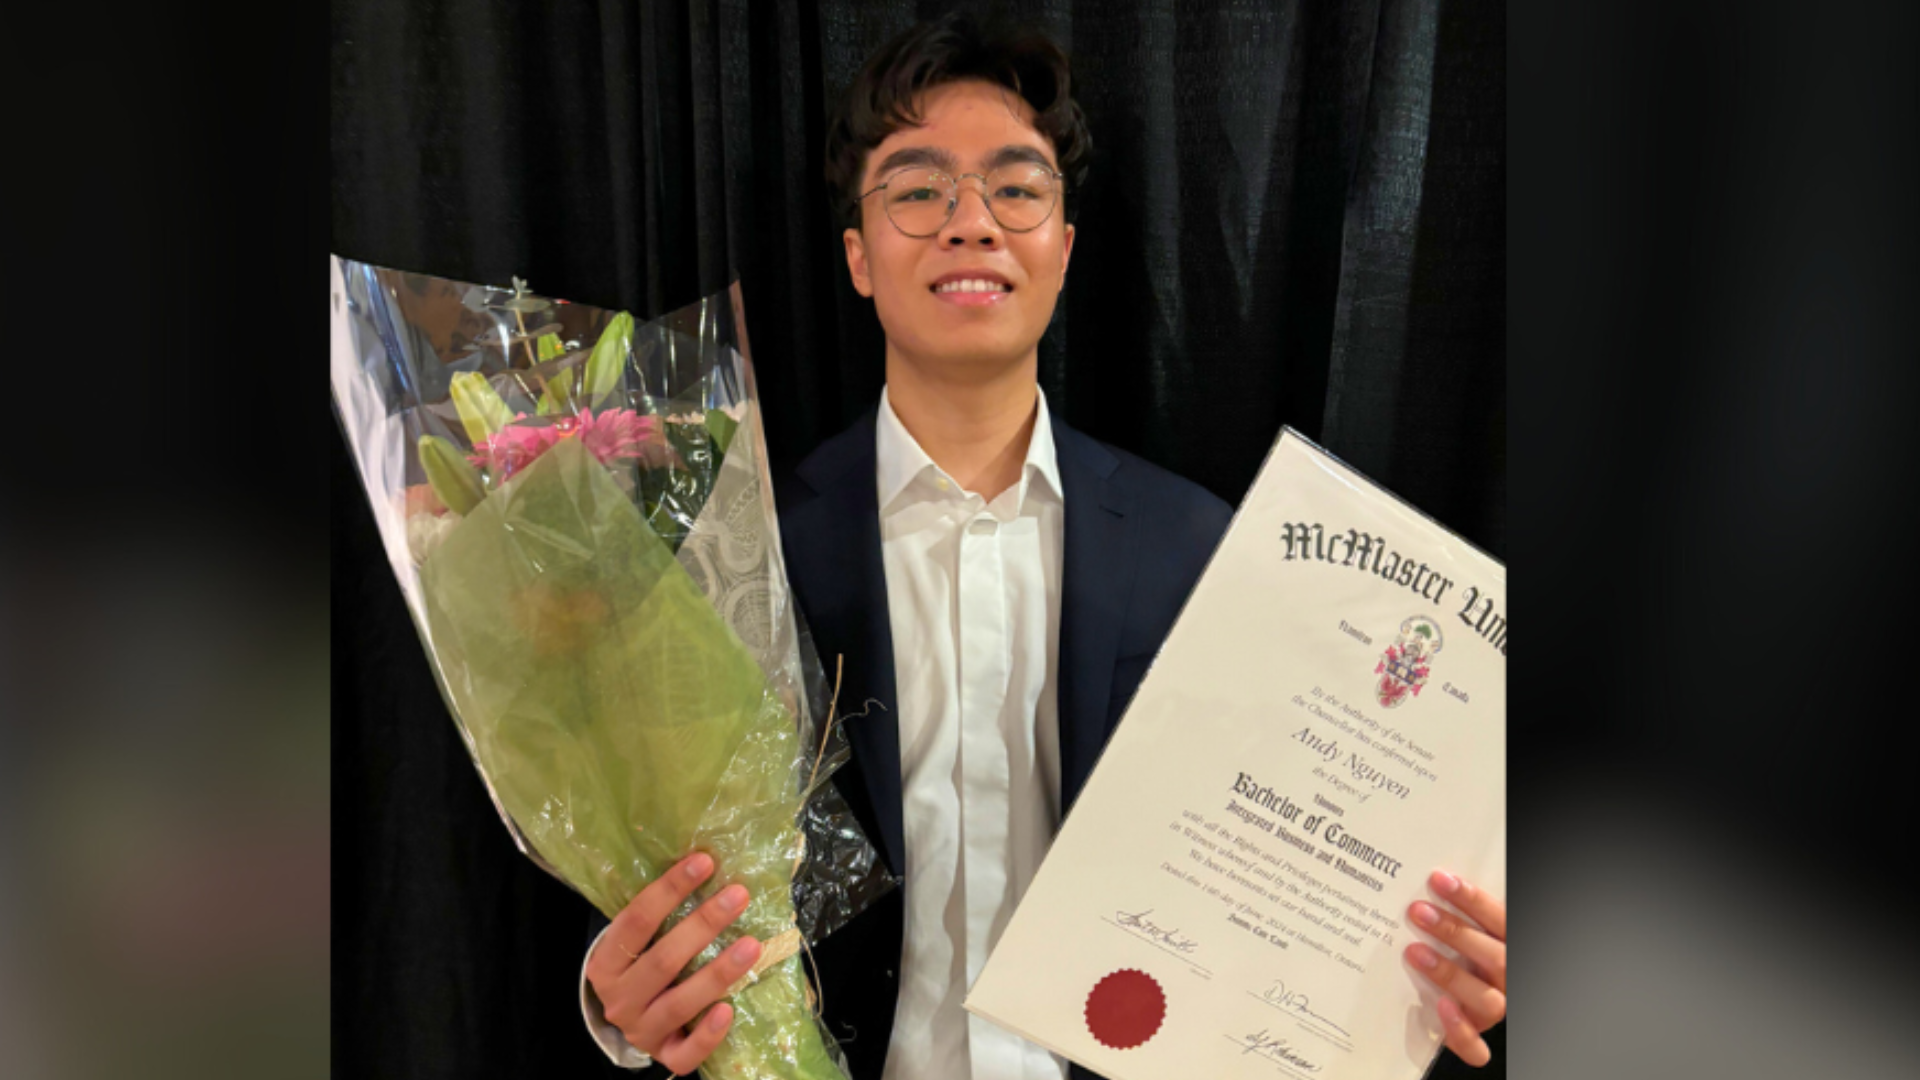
x=972, y=222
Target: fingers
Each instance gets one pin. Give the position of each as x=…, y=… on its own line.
x=683, y=1051
x=646, y=978
x=1479, y=905
x=1461, y=1036
x=1482, y=1004
x=677, y=1007
x=1475, y=999
x=632, y=930
x=1487, y=954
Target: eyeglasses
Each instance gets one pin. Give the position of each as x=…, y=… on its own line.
x=920, y=201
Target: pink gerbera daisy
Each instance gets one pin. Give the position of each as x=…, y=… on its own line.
x=613, y=435
x=618, y=433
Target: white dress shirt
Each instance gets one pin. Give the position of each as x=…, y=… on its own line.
x=973, y=592
x=973, y=596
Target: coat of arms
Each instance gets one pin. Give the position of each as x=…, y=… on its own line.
x=1403, y=668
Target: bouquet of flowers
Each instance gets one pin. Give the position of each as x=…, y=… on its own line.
x=578, y=511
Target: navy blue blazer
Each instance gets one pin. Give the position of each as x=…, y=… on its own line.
x=1136, y=540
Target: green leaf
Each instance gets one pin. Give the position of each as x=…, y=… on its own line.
x=700, y=464
x=694, y=445
x=722, y=428
x=609, y=360
x=558, y=396
x=672, y=498
x=550, y=346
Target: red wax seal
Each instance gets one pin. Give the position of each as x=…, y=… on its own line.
x=1125, y=1009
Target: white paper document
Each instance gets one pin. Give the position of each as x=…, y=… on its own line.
x=1325, y=726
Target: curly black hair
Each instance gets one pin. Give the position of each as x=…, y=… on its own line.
x=954, y=47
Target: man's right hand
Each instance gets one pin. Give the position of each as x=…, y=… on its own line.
x=633, y=974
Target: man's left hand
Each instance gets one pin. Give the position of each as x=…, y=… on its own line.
x=1474, y=987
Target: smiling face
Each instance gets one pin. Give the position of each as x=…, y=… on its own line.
x=973, y=294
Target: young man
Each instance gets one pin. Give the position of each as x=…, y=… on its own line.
x=996, y=581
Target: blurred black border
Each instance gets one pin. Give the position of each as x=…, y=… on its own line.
x=1712, y=251
x=1712, y=255
x=1712, y=223
x=163, y=540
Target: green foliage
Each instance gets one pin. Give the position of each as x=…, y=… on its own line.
x=721, y=427
x=454, y=479
x=695, y=446
x=609, y=360
x=671, y=499
x=557, y=399
x=673, y=496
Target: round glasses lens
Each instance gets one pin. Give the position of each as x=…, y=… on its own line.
x=918, y=201
x=1022, y=196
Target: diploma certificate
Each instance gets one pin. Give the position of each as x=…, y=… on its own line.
x=1324, y=727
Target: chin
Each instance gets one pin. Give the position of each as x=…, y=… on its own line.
x=984, y=362
x=972, y=346
x=978, y=349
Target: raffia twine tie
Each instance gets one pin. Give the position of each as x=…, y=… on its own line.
x=779, y=947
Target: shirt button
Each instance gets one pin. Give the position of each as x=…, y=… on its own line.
x=941, y=483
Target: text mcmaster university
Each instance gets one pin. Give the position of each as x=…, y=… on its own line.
x=1369, y=553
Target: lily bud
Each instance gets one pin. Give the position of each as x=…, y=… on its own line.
x=481, y=409
x=455, y=480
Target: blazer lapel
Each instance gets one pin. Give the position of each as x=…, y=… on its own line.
x=1097, y=578
x=833, y=547
x=833, y=543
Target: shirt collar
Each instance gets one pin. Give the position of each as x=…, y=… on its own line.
x=900, y=458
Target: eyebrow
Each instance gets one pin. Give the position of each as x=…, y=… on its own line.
x=945, y=161
x=1008, y=155
x=919, y=155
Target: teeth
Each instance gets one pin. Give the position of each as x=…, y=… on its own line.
x=972, y=285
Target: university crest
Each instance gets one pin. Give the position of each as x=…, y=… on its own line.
x=1403, y=668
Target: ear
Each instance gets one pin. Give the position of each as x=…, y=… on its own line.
x=857, y=262
x=1066, y=256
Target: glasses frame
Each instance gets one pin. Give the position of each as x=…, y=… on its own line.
x=953, y=202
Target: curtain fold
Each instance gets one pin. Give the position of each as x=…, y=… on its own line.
x=1295, y=213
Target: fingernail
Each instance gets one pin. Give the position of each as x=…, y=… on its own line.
x=1450, y=1013
x=1423, y=958
x=1424, y=914
x=1446, y=883
x=718, y=1016
x=698, y=866
x=733, y=898
x=746, y=950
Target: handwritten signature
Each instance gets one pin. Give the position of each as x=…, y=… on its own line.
x=1280, y=996
x=1140, y=924
x=1276, y=1049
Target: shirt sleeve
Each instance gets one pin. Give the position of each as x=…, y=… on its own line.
x=611, y=1042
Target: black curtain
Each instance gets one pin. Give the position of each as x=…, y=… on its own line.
x=1295, y=215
